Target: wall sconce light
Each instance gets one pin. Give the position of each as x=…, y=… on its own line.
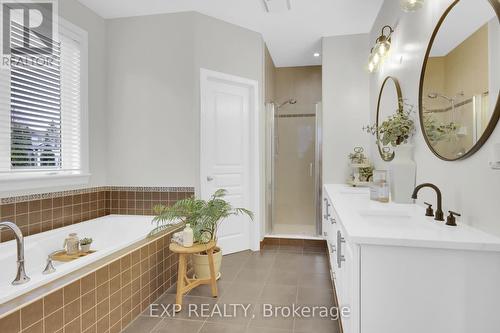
x=411, y=5
x=380, y=50
x=373, y=61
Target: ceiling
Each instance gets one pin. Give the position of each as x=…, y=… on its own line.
x=464, y=19
x=292, y=36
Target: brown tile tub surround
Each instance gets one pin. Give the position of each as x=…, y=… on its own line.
x=105, y=300
x=43, y=212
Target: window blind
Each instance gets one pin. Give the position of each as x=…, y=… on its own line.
x=35, y=103
x=71, y=110
x=45, y=109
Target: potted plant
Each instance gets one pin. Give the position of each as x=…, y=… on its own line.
x=204, y=218
x=85, y=244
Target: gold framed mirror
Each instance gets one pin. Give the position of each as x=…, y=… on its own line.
x=459, y=103
x=389, y=102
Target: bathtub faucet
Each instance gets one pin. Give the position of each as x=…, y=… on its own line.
x=21, y=276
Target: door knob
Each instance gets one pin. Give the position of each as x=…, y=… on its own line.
x=210, y=178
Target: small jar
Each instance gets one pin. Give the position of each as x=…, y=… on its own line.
x=72, y=244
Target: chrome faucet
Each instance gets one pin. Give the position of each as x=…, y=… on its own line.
x=439, y=216
x=49, y=267
x=21, y=276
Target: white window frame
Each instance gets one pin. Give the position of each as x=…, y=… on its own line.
x=15, y=180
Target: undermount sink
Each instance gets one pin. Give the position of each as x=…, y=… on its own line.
x=382, y=214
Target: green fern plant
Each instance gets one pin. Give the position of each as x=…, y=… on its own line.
x=204, y=217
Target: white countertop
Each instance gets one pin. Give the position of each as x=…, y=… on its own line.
x=375, y=223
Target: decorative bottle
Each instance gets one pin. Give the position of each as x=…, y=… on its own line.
x=187, y=236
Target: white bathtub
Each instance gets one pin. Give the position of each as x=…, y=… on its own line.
x=110, y=234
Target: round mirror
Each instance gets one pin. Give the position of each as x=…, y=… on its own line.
x=389, y=102
x=460, y=80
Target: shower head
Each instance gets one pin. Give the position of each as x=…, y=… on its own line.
x=435, y=95
x=291, y=101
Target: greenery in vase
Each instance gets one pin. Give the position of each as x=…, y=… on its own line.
x=397, y=129
x=203, y=216
x=86, y=241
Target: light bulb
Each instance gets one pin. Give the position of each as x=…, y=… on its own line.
x=411, y=5
x=371, y=67
x=383, y=48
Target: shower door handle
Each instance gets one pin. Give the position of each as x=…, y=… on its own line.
x=210, y=178
x=311, y=167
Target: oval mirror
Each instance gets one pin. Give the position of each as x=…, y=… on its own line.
x=389, y=102
x=460, y=79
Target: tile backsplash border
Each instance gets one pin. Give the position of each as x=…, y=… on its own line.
x=38, y=213
x=51, y=195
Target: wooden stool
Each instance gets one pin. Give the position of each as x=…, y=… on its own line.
x=185, y=284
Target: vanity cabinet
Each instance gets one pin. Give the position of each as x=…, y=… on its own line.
x=440, y=280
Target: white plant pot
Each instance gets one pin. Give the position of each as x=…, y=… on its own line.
x=403, y=174
x=85, y=248
x=201, y=267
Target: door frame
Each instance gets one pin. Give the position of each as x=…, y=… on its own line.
x=254, y=167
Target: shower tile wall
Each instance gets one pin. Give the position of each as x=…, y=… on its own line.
x=295, y=210
x=42, y=212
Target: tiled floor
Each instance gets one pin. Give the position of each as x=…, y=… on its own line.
x=280, y=276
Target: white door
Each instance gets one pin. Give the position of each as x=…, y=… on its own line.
x=227, y=106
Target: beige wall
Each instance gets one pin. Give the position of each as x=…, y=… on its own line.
x=296, y=142
x=270, y=73
x=465, y=69
x=300, y=83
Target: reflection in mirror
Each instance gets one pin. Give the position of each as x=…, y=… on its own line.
x=389, y=102
x=461, y=80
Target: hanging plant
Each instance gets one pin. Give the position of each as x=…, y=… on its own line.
x=396, y=129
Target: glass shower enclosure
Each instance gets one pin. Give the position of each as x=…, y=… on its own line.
x=293, y=170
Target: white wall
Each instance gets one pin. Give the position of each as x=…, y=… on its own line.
x=152, y=126
x=153, y=82
x=469, y=186
x=76, y=13
x=345, y=103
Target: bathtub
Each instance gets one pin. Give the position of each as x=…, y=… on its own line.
x=110, y=234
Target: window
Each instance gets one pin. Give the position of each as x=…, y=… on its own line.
x=43, y=113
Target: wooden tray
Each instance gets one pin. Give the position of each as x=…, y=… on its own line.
x=65, y=257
